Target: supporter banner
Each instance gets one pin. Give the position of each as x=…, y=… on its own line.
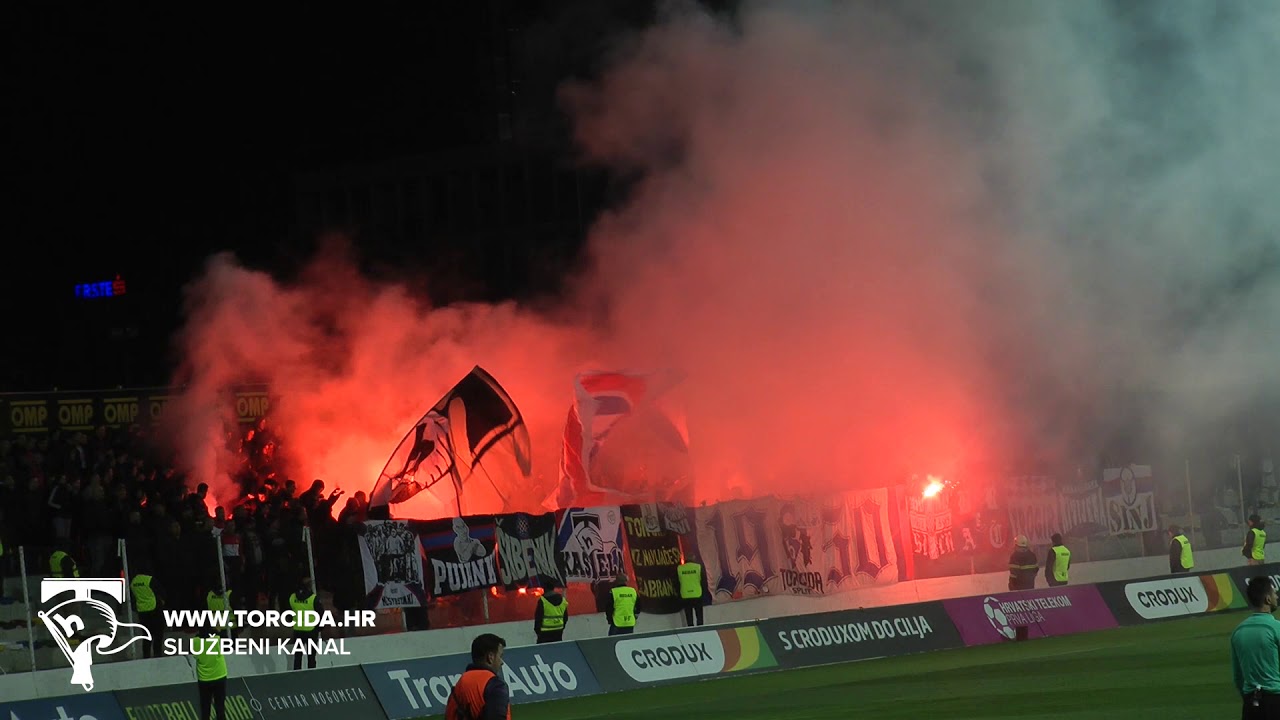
x=183, y=701
x=99, y=706
x=956, y=532
x=420, y=687
x=460, y=554
x=1135, y=602
x=1053, y=611
x=338, y=693
x=1080, y=508
x=655, y=555
x=805, y=640
x=1129, y=499
x=806, y=547
x=589, y=542
x=527, y=551
x=629, y=661
x=392, y=561
x=1033, y=508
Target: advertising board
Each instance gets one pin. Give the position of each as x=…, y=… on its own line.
x=818, y=639
x=98, y=706
x=641, y=660
x=418, y=687
x=335, y=693
x=1135, y=602
x=983, y=620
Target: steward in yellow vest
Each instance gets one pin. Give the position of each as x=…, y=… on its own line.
x=1255, y=541
x=1180, y=558
x=1057, y=562
x=620, y=607
x=693, y=588
x=550, y=616
x=211, y=674
x=62, y=565
x=148, y=601
x=302, y=601
x=219, y=601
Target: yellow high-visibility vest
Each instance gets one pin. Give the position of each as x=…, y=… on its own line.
x=1259, y=544
x=218, y=603
x=210, y=664
x=55, y=564
x=1061, y=563
x=299, y=607
x=624, y=607
x=553, y=616
x=690, y=576
x=1188, y=561
x=144, y=598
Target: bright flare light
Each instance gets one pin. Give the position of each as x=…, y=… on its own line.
x=934, y=487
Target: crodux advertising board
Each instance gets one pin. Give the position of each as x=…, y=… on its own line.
x=638, y=661
x=1137, y=601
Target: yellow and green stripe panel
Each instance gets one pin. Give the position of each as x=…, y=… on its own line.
x=745, y=649
x=1221, y=592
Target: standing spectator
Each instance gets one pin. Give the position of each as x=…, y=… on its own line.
x=693, y=590
x=211, y=675
x=303, y=601
x=1022, y=575
x=60, y=506
x=148, y=600
x=481, y=693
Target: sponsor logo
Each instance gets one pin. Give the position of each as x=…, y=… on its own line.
x=90, y=706
x=912, y=627
x=536, y=680
x=710, y=652
x=1174, y=597
x=997, y=618
x=83, y=625
x=1006, y=615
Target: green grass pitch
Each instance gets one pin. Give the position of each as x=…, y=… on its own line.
x=1170, y=671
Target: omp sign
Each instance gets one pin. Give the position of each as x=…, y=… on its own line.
x=1175, y=597
x=710, y=652
x=119, y=411
x=812, y=637
x=75, y=414
x=28, y=415
x=251, y=406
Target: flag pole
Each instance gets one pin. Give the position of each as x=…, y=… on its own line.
x=1240, y=489
x=1191, y=513
x=26, y=599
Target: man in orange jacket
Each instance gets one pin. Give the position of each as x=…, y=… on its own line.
x=481, y=693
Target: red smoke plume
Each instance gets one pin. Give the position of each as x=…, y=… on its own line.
x=802, y=247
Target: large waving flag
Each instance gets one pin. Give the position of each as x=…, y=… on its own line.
x=466, y=455
x=620, y=405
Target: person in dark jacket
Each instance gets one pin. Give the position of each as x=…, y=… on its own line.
x=551, y=616
x=481, y=693
x=1023, y=567
x=1255, y=541
x=1180, y=557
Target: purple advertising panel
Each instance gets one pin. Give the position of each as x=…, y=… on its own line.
x=983, y=620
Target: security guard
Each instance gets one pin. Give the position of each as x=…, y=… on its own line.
x=693, y=588
x=481, y=693
x=148, y=601
x=211, y=674
x=550, y=616
x=1255, y=541
x=620, y=607
x=1255, y=670
x=300, y=602
x=1180, y=557
x=1057, y=562
x=62, y=565
x=219, y=600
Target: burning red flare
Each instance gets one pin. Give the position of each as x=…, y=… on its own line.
x=934, y=487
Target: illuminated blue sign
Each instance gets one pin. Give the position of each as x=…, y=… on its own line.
x=105, y=289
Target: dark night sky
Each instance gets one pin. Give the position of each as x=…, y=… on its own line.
x=140, y=144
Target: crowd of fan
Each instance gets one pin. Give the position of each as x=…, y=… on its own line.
x=80, y=493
